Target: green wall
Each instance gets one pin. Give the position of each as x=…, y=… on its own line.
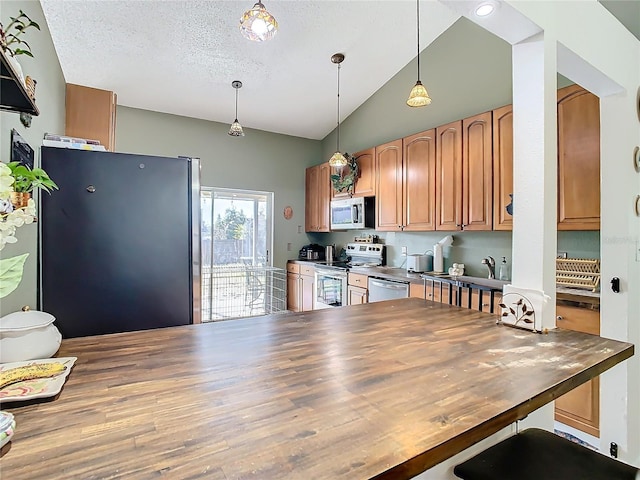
x=45, y=69
x=258, y=161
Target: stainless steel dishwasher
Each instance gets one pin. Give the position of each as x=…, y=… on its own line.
x=382, y=289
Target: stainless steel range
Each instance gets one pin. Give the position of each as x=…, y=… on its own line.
x=331, y=277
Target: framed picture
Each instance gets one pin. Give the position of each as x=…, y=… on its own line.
x=20, y=150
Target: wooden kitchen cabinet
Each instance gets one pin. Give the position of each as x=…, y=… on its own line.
x=357, y=289
x=91, y=114
x=366, y=183
x=449, y=176
x=580, y=408
x=417, y=290
x=389, y=186
x=318, y=198
x=300, y=287
x=405, y=185
x=502, y=167
x=578, y=159
x=477, y=172
x=464, y=174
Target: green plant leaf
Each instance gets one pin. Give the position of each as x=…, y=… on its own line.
x=11, y=273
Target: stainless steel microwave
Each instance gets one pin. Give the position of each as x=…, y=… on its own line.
x=353, y=213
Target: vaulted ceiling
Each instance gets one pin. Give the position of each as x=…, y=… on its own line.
x=180, y=57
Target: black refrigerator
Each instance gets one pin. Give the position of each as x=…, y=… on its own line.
x=118, y=243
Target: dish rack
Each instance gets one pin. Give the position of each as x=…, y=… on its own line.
x=578, y=273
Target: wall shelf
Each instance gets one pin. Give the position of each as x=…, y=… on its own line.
x=13, y=93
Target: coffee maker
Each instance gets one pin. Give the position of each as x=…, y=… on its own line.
x=313, y=251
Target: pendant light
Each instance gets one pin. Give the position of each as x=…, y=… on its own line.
x=338, y=160
x=257, y=24
x=418, y=96
x=236, y=128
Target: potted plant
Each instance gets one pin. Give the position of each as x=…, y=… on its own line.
x=26, y=180
x=10, y=37
x=12, y=41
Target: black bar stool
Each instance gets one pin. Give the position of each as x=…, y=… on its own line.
x=535, y=454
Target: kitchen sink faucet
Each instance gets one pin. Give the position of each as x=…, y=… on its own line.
x=491, y=265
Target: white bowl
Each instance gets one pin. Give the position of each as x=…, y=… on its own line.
x=28, y=335
x=7, y=427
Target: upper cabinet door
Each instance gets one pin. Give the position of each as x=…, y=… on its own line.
x=477, y=173
x=324, y=197
x=502, y=167
x=419, y=194
x=317, y=198
x=366, y=182
x=311, y=203
x=578, y=159
x=449, y=176
x=389, y=186
x=91, y=114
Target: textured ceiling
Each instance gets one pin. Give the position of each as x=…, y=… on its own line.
x=180, y=57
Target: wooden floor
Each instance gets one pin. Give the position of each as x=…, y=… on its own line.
x=383, y=390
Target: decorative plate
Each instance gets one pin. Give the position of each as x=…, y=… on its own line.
x=288, y=212
x=636, y=159
x=39, y=387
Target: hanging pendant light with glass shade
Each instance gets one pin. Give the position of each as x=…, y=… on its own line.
x=257, y=24
x=338, y=160
x=418, y=96
x=236, y=128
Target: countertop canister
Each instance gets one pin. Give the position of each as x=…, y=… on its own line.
x=28, y=335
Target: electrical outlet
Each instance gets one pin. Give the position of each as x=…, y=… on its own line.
x=404, y=251
x=562, y=255
x=289, y=247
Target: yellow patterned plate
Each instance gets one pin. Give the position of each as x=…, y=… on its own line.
x=39, y=387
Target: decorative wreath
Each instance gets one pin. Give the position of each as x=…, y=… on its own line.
x=345, y=179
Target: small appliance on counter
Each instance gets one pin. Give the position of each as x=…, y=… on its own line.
x=418, y=263
x=438, y=256
x=330, y=253
x=313, y=251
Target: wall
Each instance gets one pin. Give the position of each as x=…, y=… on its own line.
x=50, y=92
x=456, y=74
x=258, y=161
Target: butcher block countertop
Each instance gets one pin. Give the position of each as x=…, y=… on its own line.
x=382, y=390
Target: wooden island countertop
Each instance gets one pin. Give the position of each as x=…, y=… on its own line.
x=382, y=390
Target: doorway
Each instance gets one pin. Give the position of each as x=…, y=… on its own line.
x=238, y=279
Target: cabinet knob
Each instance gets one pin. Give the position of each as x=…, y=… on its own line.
x=559, y=317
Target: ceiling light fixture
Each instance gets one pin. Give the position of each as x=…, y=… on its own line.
x=484, y=9
x=418, y=96
x=257, y=24
x=236, y=128
x=338, y=160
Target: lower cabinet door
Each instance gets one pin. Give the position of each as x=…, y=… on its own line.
x=580, y=408
x=357, y=295
x=293, y=292
x=308, y=292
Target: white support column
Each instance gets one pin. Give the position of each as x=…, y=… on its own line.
x=535, y=169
